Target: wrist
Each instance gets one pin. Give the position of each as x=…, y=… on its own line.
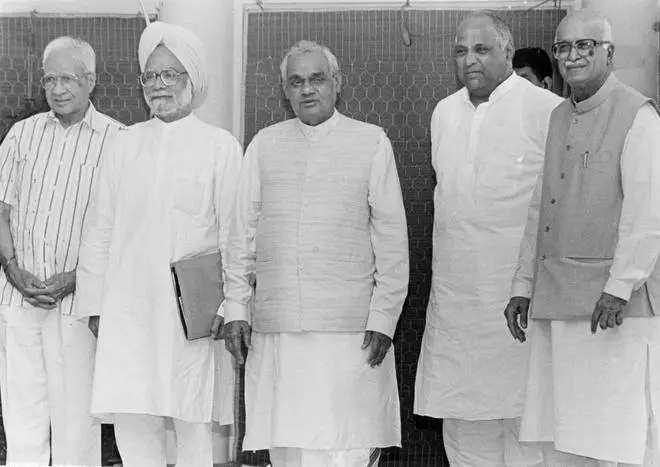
x=12, y=261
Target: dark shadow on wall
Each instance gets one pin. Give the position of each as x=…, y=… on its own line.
x=397, y=88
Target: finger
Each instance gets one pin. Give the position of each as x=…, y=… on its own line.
x=512, y=324
x=382, y=353
x=368, y=335
x=46, y=299
x=523, y=317
x=373, y=356
x=247, y=337
x=603, y=320
x=619, y=318
x=234, y=349
x=595, y=317
x=611, y=320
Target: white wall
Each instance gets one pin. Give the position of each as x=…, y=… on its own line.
x=91, y=7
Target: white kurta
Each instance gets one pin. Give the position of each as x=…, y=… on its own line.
x=486, y=160
x=166, y=193
x=593, y=395
x=315, y=390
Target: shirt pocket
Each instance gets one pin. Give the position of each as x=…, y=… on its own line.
x=188, y=195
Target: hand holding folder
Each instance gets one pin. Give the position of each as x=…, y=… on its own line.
x=198, y=290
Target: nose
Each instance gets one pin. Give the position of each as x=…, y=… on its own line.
x=572, y=54
x=307, y=89
x=58, y=88
x=159, y=84
x=470, y=58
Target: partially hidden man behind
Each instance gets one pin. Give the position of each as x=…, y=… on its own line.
x=320, y=225
x=589, y=256
x=48, y=171
x=165, y=193
x=488, y=143
x=534, y=64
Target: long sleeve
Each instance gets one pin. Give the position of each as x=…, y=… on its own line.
x=240, y=266
x=95, y=242
x=524, y=274
x=227, y=173
x=389, y=237
x=8, y=158
x=639, y=227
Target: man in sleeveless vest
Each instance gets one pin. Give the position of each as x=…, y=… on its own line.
x=488, y=143
x=591, y=246
x=320, y=225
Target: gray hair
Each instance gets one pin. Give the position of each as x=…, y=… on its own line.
x=502, y=29
x=590, y=16
x=304, y=46
x=80, y=49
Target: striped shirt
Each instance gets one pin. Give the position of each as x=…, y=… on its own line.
x=47, y=175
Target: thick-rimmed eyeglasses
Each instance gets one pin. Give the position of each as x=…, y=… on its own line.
x=168, y=77
x=67, y=80
x=583, y=47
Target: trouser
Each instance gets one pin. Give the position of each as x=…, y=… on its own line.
x=142, y=442
x=46, y=370
x=488, y=443
x=294, y=457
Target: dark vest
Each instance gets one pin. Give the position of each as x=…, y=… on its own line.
x=581, y=206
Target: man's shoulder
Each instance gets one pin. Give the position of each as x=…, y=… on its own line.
x=449, y=103
x=278, y=128
x=106, y=119
x=370, y=129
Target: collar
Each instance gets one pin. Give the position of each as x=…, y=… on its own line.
x=601, y=96
x=500, y=91
x=322, y=129
x=91, y=119
x=176, y=124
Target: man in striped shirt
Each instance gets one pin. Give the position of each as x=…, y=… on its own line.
x=47, y=169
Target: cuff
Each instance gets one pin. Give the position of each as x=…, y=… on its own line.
x=221, y=309
x=521, y=289
x=235, y=311
x=618, y=288
x=83, y=315
x=381, y=322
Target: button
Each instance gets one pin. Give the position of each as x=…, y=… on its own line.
x=552, y=201
x=315, y=248
x=576, y=121
x=542, y=258
x=568, y=147
x=547, y=228
x=563, y=175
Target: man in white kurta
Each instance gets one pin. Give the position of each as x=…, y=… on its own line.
x=320, y=225
x=165, y=193
x=487, y=149
x=48, y=168
x=596, y=397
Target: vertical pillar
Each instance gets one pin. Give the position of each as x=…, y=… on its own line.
x=636, y=56
x=212, y=21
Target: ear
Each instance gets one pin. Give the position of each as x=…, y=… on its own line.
x=547, y=83
x=610, y=53
x=91, y=80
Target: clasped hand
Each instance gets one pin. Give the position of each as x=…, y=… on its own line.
x=42, y=294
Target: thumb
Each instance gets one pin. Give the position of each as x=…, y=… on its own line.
x=367, y=339
x=523, y=317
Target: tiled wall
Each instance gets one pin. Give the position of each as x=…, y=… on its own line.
x=115, y=41
x=396, y=87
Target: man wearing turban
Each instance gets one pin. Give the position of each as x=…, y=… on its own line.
x=165, y=193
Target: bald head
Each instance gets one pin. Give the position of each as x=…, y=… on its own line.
x=596, y=25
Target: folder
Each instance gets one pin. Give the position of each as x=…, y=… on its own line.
x=198, y=290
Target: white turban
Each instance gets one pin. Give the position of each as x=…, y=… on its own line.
x=185, y=46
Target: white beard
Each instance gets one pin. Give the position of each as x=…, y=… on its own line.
x=169, y=108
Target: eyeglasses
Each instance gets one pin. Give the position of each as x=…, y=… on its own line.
x=168, y=77
x=68, y=80
x=583, y=47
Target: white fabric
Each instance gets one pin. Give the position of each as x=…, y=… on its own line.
x=185, y=46
x=386, y=220
x=486, y=160
x=554, y=458
x=47, y=175
x=587, y=392
x=46, y=365
x=488, y=443
x=638, y=247
x=141, y=442
x=294, y=457
x=166, y=193
x=316, y=391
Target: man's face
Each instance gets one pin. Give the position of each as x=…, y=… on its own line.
x=481, y=62
x=168, y=102
x=579, y=71
x=310, y=88
x=70, y=84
